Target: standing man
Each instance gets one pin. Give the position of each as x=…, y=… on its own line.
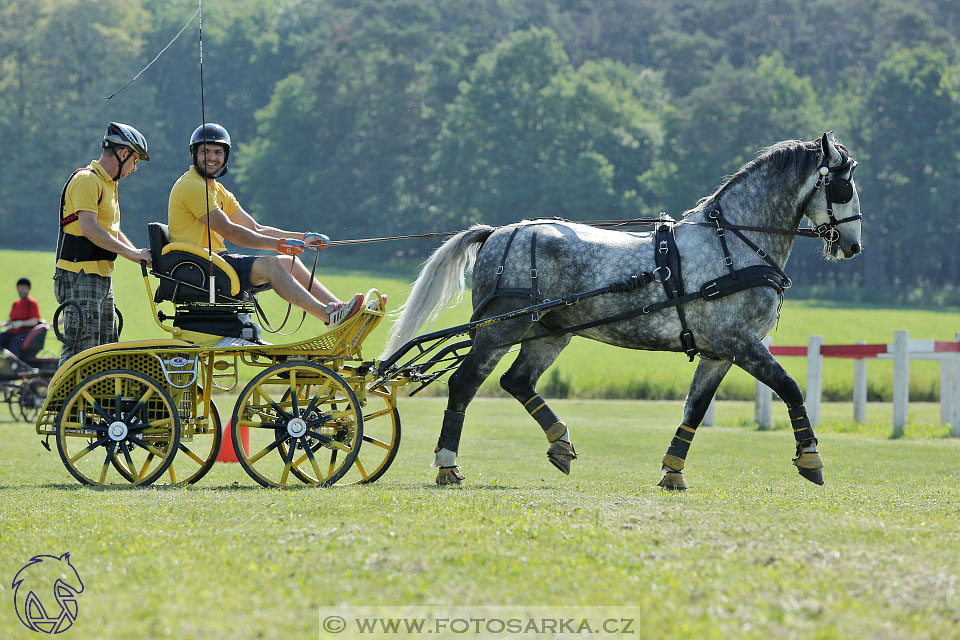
x=197, y=193
x=24, y=314
x=90, y=239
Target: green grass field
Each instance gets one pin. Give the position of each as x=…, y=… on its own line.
x=586, y=369
x=750, y=551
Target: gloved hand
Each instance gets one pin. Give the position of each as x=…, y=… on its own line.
x=316, y=240
x=291, y=246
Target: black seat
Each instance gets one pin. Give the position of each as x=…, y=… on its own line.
x=183, y=271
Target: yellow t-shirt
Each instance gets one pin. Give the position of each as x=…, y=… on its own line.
x=187, y=210
x=95, y=191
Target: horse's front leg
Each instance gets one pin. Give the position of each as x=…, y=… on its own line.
x=706, y=379
x=757, y=361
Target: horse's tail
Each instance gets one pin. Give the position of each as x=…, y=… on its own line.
x=441, y=279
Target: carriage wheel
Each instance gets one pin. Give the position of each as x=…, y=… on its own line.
x=120, y=413
x=32, y=397
x=304, y=422
x=11, y=395
x=381, y=441
x=196, y=454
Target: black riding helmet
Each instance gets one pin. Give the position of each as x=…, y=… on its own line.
x=123, y=135
x=214, y=134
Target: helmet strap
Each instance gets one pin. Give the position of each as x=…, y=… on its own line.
x=120, y=162
x=202, y=171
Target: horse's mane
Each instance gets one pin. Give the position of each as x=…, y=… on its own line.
x=791, y=155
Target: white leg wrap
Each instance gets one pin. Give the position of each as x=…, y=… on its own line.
x=444, y=458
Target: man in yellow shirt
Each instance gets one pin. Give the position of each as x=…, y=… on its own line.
x=90, y=239
x=197, y=194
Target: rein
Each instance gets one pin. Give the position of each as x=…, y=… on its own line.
x=613, y=224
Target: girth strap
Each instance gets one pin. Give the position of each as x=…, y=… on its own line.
x=667, y=257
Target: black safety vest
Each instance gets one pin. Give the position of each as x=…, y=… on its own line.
x=77, y=248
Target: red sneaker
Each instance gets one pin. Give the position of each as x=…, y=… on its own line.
x=343, y=311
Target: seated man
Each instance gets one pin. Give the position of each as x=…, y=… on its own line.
x=197, y=193
x=24, y=315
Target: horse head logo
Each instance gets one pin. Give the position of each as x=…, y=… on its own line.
x=33, y=585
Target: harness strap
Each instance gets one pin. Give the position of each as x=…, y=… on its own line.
x=532, y=292
x=667, y=257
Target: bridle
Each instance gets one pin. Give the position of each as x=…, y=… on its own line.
x=839, y=190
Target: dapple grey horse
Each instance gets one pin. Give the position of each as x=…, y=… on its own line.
x=741, y=234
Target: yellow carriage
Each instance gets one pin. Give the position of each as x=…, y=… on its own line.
x=136, y=413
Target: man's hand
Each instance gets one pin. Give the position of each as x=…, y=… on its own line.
x=139, y=255
x=316, y=240
x=291, y=246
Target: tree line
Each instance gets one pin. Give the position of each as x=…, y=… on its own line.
x=364, y=118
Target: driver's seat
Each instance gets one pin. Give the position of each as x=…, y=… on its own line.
x=183, y=270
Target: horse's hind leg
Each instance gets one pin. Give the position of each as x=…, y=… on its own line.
x=520, y=381
x=757, y=361
x=704, y=385
x=463, y=386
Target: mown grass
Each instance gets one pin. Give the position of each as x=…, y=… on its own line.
x=750, y=551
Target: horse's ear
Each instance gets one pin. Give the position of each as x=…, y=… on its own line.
x=828, y=147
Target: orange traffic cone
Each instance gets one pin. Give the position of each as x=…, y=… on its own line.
x=226, y=453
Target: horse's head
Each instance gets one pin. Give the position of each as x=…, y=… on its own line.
x=833, y=204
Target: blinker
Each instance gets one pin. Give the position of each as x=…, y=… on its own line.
x=840, y=190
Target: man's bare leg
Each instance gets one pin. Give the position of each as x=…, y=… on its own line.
x=302, y=275
x=271, y=269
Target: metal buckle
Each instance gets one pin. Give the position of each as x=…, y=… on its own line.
x=707, y=288
x=761, y=253
x=728, y=260
x=720, y=231
x=664, y=247
x=661, y=280
x=533, y=274
x=499, y=270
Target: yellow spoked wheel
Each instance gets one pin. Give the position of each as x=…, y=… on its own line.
x=197, y=451
x=123, y=414
x=381, y=440
x=304, y=422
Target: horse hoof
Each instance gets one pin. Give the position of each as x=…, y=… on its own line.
x=673, y=481
x=810, y=466
x=560, y=454
x=813, y=475
x=449, y=475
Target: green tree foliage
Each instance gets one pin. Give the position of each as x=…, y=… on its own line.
x=374, y=117
x=530, y=136
x=910, y=137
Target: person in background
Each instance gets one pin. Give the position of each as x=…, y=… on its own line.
x=24, y=315
x=90, y=239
